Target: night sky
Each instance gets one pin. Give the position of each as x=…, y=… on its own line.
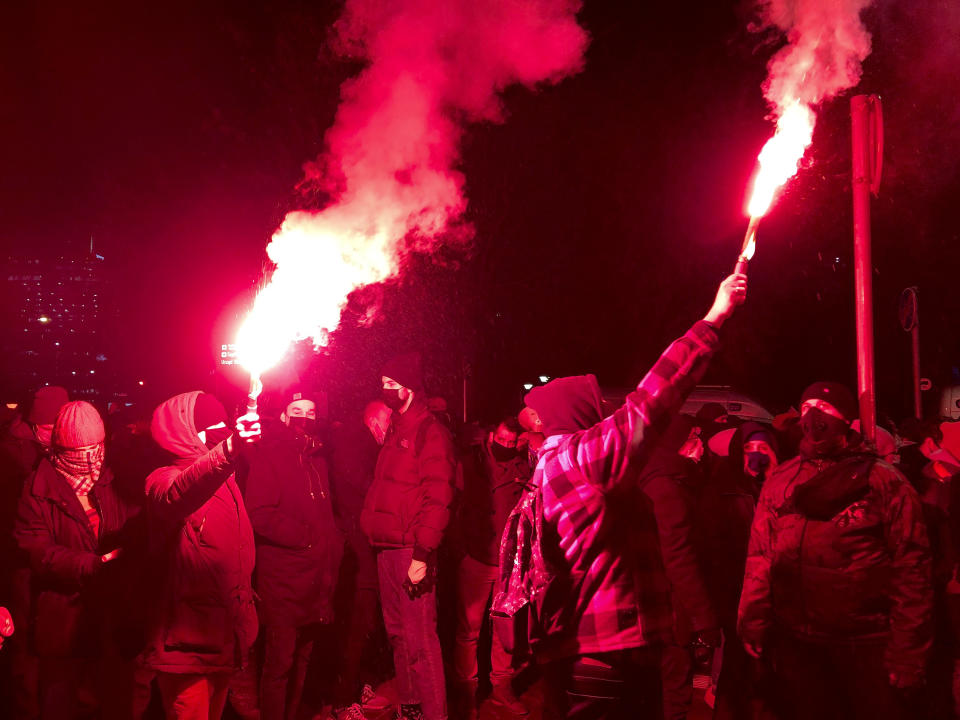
x=606, y=208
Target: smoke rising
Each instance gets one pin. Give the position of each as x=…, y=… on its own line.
x=390, y=164
x=826, y=44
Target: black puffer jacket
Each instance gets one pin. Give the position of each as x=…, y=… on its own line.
x=491, y=490
x=73, y=592
x=408, y=504
x=862, y=573
x=298, y=545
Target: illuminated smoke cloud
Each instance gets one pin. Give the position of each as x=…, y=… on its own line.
x=431, y=66
x=826, y=44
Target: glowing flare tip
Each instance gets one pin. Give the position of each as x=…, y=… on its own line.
x=781, y=155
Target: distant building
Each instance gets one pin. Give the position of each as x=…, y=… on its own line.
x=56, y=314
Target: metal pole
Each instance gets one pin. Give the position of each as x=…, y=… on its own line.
x=862, y=150
x=915, y=342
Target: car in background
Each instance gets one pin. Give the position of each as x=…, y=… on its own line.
x=950, y=403
x=736, y=403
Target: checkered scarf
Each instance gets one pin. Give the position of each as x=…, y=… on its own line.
x=79, y=466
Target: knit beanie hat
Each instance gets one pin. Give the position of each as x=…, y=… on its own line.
x=567, y=404
x=208, y=411
x=47, y=402
x=709, y=412
x=835, y=396
x=78, y=425
x=406, y=370
x=755, y=431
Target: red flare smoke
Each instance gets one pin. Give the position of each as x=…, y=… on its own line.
x=432, y=66
x=826, y=44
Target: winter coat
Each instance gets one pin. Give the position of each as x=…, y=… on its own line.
x=491, y=491
x=72, y=591
x=203, y=619
x=298, y=545
x=580, y=554
x=408, y=504
x=862, y=574
x=669, y=484
x=352, y=462
x=722, y=520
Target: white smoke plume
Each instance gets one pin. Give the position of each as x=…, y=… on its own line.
x=826, y=45
x=432, y=66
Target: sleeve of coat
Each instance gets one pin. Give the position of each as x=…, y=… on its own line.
x=671, y=508
x=754, y=615
x=911, y=591
x=438, y=464
x=70, y=567
x=606, y=452
x=175, y=495
x=263, y=506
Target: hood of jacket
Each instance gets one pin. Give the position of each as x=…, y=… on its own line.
x=173, y=428
x=568, y=404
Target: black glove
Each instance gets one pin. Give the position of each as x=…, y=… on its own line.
x=422, y=587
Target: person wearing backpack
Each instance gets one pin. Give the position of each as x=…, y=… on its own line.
x=405, y=514
x=580, y=556
x=837, y=596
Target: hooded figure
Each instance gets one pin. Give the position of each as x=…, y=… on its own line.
x=568, y=404
x=70, y=523
x=837, y=586
x=405, y=514
x=47, y=402
x=298, y=550
x=203, y=621
x=670, y=482
x=580, y=554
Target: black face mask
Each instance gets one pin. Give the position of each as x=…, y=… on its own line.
x=391, y=398
x=757, y=464
x=215, y=436
x=823, y=435
x=303, y=425
x=502, y=453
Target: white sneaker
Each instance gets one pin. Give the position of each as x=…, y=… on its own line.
x=370, y=699
x=349, y=712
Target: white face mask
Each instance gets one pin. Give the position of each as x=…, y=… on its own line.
x=44, y=434
x=218, y=432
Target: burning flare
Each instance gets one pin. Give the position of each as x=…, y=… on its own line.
x=390, y=164
x=781, y=156
x=826, y=44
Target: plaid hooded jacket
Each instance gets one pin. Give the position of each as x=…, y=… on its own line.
x=609, y=590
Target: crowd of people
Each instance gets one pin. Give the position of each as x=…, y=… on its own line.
x=571, y=561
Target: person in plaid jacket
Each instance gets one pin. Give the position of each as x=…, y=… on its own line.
x=607, y=609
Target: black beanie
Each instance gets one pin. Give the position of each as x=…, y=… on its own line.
x=208, y=411
x=47, y=402
x=836, y=395
x=406, y=370
x=567, y=404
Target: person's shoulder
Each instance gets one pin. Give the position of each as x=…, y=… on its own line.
x=434, y=430
x=784, y=473
x=884, y=474
x=787, y=467
x=160, y=479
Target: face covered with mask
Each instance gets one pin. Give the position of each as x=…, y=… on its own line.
x=825, y=433
x=503, y=444
x=301, y=417
x=759, y=459
x=394, y=395
x=43, y=434
x=214, y=435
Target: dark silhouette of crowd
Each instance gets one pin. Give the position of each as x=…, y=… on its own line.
x=574, y=559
